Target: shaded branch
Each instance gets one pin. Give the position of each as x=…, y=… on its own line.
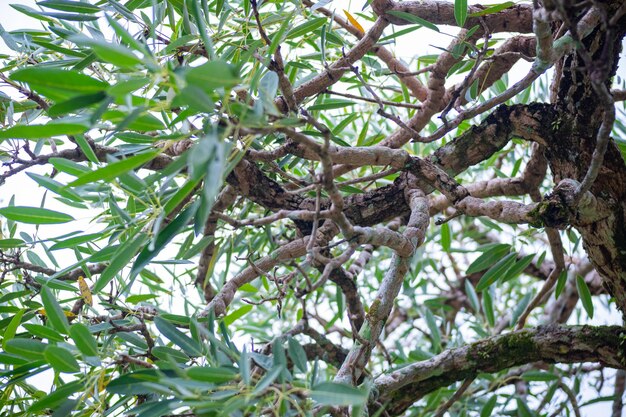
x=552, y=344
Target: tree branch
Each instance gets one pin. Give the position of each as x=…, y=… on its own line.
x=553, y=344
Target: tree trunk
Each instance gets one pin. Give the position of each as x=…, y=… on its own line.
x=579, y=116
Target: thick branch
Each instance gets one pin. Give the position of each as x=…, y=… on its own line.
x=516, y=18
x=553, y=344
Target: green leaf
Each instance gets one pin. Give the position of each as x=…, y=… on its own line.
x=306, y=27
x=69, y=167
x=332, y=103
x=434, y=331
x=460, y=12
x=164, y=237
x=145, y=381
x=54, y=312
x=75, y=241
x=328, y=393
x=194, y=7
x=58, y=84
x=138, y=298
x=560, y=284
x=195, y=98
x=522, y=408
x=34, y=215
x=496, y=271
x=180, y=196
x=69, y=6
x=240, y=312
x=244, y=366
x=494, y=9
x=585, y=295
x=488, y=308
x=520, y=307
x=446, y=239
x=187, y=344
x=27, y=348
x=297, y=354
x=75, y=103
x=84, y=340
x=519, y=267
x=489, y=406
x=9, y=331
x=77, y=17
x=488, y=258
x=277, y=37
x=267, y=380
x=43, y=332
x=28, y=11
x=164, y=352
x=136, y=120
x=113, y=53
x=212, y=75
x=127, y=86
x=54, y=186
x=11, y=243
x=115, y=169
x=57, y=396
x=42, y=131
x=539, y=376
x=472, y=297
x=122, y=258
x=217, y=375
x=61, y=359
x=413, y=19
x=124, y=35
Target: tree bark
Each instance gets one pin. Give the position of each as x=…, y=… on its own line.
x=562, y=344
x=569, y=152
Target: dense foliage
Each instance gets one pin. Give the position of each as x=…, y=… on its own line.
x=215, y=207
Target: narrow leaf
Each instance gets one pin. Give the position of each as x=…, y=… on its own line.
x=560, y=284
x=496, y=271
x=585, y=295
x=187, y=344
x=414, y=19
x=84, y=340
x=208, y=374
x=306, y=27
x=54, y=312
x=61, y=359
x=42, y=131
x=297, y=354
x=488, y=258
x=328, y=393
x=494, y=9
x=460, y=12
x=34, y=215
x=115, y=169
x=122, y=258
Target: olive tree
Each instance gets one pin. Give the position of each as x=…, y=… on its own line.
x=282, y=208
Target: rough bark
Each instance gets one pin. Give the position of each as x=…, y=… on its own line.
x=572, y=142
x=575, y=344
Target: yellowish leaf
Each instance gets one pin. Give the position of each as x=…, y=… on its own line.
x=354, y=22
x=85, y=292
x=103, y=381
x=67, y=313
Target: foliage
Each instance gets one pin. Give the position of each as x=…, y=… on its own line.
x=171, y=160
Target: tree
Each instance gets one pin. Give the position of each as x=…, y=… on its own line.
x=285, y=218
